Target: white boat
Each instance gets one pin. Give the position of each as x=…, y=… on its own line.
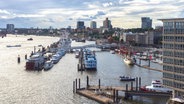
x=129, y=61
x=175, y=101
x=77, y=54
x=156, y=86
x=13, y=46
x=48, y=65
x=55, y=58
x=112, y=51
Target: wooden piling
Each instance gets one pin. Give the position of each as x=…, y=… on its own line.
x=139, y=83
x=18, y=59
x=114, y=97
x=87, y=82
x=99, y=84
x=136, y=83
x=79, y=83
x=117, y=96
x=149, y=63
x=26, y=56
x=74, y=87
x=76, y=84
x=131, y=86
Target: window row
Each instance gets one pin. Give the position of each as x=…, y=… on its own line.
x=173, y=54
x=172, y=46
x=173, y=38
x=173, y=84
x=173, y=61
x=173, y=69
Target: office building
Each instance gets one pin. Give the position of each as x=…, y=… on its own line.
x=173, y=55
x=146, y=23
x=107, y=24
x=93, y=25
x=80, y=25
x=10, y=28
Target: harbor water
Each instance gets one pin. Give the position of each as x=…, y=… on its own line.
x=55, y=86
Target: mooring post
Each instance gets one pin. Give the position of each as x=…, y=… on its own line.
x=136, y=84
x=114, y=96
x=131, y=86
x=126, y=87
x=26, y=56
x=99, y=84
x=139, y=83
x=79, y=83
x=117, y=96
x=18, y=59
x=76, y=84
x=149, y=63
x=87, y=82
x=78, y=67
x=73, y=86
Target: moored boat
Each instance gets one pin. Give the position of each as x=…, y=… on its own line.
x=48, y=65
x=126, y=78
x=155, y=86
x=35, y=62
x=129, y=61
x=29, y=39
x=90, y=61
x=13, y=46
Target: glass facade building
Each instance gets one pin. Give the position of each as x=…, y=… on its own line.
x=173, y=55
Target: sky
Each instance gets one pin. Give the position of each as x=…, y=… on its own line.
x=64, y=13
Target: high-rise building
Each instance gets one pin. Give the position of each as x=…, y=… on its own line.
x=173, y=55
x=146, y=23
x=107, y=24
x=10, y=28
x=93, y=25
x=80, y=25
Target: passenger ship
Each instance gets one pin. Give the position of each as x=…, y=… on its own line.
x=90, y=61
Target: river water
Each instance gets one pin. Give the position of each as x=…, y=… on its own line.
x=18, y=86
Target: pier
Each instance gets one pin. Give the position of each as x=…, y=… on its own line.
x=110, y=94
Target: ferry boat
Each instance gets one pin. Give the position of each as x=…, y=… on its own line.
x=90, y=61
x=155, y=86
x=35, y=62
x=126, y=78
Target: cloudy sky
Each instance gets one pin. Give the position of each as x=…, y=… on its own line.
x=64, y=13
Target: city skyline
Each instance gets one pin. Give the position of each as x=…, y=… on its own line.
x=59, y=14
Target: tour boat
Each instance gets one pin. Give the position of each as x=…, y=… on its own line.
x=35, y=62
x=48, y=65
x=90, y=61
x=126, y=78
x=156, y=86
